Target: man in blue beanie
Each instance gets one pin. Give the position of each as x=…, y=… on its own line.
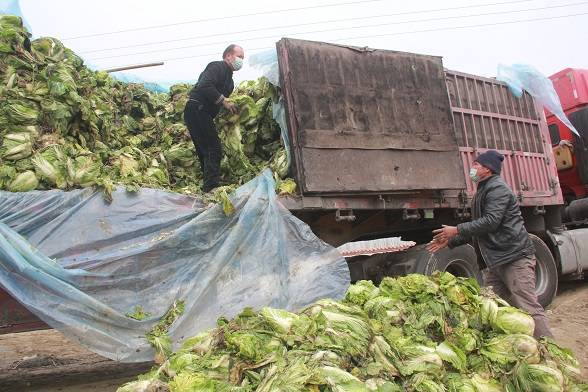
x=498, y=233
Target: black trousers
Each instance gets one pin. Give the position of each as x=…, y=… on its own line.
x=207, y=143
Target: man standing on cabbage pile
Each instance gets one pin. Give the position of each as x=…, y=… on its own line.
x=498, y=233
x=209, y=94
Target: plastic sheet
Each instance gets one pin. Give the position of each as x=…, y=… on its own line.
x=156, y=87
x=279, y=115
x=267, y=63
x=12, y=7
x=521, y=77
x=86, y=263
x=130, y=78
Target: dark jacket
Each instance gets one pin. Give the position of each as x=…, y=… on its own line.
x=497, y=228
x=214, y=81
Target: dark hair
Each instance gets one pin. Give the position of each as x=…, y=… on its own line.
x=229, y=50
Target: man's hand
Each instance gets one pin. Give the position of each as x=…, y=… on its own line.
x=436, y=245
x=231, y=107
x=445, y=233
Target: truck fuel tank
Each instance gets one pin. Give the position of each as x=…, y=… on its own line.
x=572, y=250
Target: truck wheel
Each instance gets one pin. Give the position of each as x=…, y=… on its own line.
x=460, y=261
x=546, y=274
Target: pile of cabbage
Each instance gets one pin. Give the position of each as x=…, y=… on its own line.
x=413, y=333
x=64, y=126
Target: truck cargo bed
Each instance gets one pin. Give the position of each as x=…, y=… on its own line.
x=378, y=129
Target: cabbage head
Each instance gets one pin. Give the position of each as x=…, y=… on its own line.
x=279, y=320
x=452, y=354
x=412, y=357
x=50, y=166
x=290, y=377
x=16, y=146
x=423, y=383
x=7, y=174
x=382, y=354
x=23, y=111
x=360, y=292
x=341, y=381
x=457, y=382
x=286, y=187
x=512, y=320
x=483, y=384
x=488, y=311
x=563, y=357
x=539, y=377
x=84, y=171
x=507, y=349
x=384, y=309
x=460, y=291
x=24, y=182
x=413, y=287
x=143, y=386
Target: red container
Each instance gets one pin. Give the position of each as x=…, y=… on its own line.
x=487, y=116
x=572, y=87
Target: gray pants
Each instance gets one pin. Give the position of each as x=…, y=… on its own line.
x=515, y=283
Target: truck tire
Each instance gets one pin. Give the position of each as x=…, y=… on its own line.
x=546, y=274
x=460, y=261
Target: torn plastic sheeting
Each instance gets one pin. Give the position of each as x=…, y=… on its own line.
x=150, y=249
x=521, y=77
x=267, y=62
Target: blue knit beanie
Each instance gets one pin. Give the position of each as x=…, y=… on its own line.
x=491, y=159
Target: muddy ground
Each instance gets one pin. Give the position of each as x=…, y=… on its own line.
x=45, y=361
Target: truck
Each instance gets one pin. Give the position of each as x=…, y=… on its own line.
x=570, y=150
x=381, y=143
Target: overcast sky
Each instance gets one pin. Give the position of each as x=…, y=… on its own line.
x=196, y=34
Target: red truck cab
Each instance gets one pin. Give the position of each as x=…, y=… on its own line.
x=571, y=86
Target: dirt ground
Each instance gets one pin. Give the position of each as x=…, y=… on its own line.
x=102, y=386
x=47, y=361
x=568, y=317
x=44, y=361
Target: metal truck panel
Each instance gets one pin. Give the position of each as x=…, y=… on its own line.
x=365, y=120
x=572, y=87
x=14, y=317
x=488, y=116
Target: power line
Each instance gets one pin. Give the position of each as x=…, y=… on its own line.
x=406, y=33
x=338, y=29
x=308, y=24
x=222, y=18
x=463, y=27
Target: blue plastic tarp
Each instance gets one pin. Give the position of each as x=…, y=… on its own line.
x=12, y=7
x=85, y=263
x=521, y=77
x=267, y=63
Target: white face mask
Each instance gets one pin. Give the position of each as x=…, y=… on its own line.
x=237, y=63
x=474, y=174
